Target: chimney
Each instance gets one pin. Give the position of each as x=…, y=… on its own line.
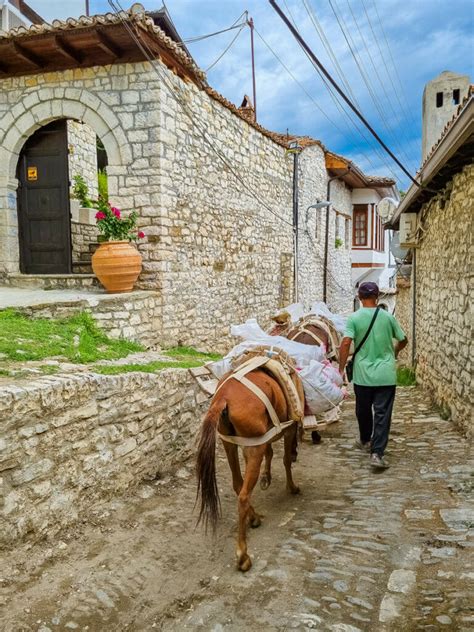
x=441, y=99
x=247, y=110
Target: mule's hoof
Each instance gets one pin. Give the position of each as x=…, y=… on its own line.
x=255, y=522
x=244, y=563
x=265, y=481
x=294, y=490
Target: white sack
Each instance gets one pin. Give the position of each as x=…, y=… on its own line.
x=320, y=392
x=254, y=336
x=319, y=308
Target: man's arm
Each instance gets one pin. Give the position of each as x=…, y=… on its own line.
x=344, y=350
x=401, y=344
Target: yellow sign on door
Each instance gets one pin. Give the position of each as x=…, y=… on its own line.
x=32, y=173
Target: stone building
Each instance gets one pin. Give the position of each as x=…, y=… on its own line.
x=212, y=188
x=435, y=301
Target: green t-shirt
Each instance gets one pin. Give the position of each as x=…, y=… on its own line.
x=374, y=364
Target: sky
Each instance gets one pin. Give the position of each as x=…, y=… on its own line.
x=382, y=52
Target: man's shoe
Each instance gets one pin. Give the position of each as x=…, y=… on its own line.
x=378, y=462
x=363, y=446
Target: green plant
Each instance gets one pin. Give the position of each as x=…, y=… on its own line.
x=406, y=376
x=81, y=191
x=112, y=226
x=338, y=242
x=103, y=184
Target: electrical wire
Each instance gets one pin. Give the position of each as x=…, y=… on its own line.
x=200, y=38
x=329, y=50
x=226, y=49
x=173, y=92
x=396, y=114
x=408, y=113
x=345, y=113
x=355, y=56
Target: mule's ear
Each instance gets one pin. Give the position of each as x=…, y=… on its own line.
x=281, y=318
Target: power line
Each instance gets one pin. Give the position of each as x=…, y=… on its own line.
x=345, y=114
x=340, y=91
x=173, y=92
x=226, y=49
x=407, y=113
x=389, y=100
x=341, y=74
x=355, y=56
x=200, y=38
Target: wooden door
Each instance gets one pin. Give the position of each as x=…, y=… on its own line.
x=43, y=202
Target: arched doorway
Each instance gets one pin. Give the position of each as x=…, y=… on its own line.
x=43, y=202
x=57, y=227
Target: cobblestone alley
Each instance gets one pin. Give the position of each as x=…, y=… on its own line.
x=356, y=551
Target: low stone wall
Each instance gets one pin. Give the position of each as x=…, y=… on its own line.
x=69, y=441
x=135, y=316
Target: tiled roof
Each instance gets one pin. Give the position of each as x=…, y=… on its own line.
x=137, y=16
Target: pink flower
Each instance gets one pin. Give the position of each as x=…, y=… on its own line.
x=100, y=215
x=140, y=234
x=115, y=211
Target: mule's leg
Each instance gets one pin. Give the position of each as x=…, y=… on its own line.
x=253, y=459
x=289, y=439
x=232, y=452
x=266, y=477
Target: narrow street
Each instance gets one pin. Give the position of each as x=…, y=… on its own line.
x=357, y=551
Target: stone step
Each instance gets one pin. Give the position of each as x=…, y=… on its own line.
x=53, y=281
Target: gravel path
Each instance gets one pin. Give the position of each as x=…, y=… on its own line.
x=357, y=551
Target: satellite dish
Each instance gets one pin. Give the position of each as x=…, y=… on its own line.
x=386, y=208
x=397, y=251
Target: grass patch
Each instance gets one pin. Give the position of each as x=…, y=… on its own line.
x=189, y=353
x=77, y=339
x=406, y=376
x=150, y=367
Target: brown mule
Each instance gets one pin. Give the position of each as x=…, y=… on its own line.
x=236, y=411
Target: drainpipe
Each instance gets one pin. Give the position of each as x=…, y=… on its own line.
x=295, y=223
x=326, y=238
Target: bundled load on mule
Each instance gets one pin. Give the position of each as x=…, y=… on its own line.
x=322, y=383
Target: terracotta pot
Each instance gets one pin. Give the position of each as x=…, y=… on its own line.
x=117, y=265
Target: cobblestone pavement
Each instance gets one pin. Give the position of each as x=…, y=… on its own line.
x=356, y=551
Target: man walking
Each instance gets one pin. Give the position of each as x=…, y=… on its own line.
x=374, y=372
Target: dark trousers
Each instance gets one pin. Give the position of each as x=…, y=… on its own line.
x=374, y=406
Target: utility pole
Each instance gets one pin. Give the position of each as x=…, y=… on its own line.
x=250, y=23
x=87, y=7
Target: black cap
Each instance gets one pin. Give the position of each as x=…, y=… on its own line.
x=368, y=289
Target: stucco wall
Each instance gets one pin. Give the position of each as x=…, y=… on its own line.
x=72, y=440
x=444, y=342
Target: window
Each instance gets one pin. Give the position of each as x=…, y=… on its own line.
x=439, y=99
x=456, y=96
x=359, y=227
x=379, y=234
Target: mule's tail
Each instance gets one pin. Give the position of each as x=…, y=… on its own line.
x=207, y=489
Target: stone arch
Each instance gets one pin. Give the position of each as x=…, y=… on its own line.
x=46, y=105
x=36, y=109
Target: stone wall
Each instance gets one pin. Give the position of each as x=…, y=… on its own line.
x=444, y=341
x=81, y=140
x=69, y=441
x=404, y=314
x=217, y=213
x=135, y=316
x=313, y=179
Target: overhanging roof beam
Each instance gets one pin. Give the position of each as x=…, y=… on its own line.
x=67, y=51
x=107, y=46
x=27, y=55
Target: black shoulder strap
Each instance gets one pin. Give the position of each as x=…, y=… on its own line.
x=359, y=346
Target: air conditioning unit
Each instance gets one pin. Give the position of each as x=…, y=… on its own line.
x=408, y=225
